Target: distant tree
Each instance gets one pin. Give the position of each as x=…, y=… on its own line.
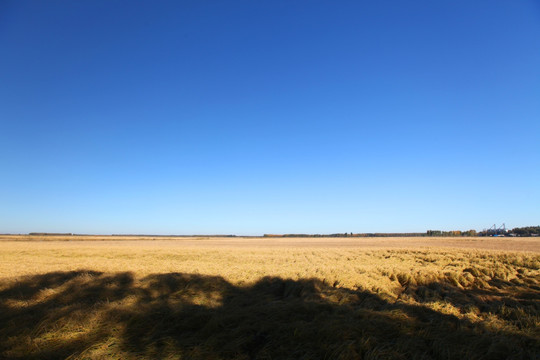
x=526, y=231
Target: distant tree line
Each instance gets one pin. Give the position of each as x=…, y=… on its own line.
x=525, y=231
x=347, y=235
x=520, y=231
x=451, y=233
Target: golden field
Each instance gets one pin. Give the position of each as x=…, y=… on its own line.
x=256, y=298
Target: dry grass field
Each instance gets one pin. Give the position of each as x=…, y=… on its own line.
x=234, y=298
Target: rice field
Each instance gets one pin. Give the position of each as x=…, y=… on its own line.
x=255, y=298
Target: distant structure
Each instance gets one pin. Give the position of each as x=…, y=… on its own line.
x=496, y=231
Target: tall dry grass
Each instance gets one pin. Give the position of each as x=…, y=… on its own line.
x=89, y=300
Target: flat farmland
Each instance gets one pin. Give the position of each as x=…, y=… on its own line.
x=125, y=297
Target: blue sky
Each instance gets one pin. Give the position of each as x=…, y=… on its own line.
x=252, y=117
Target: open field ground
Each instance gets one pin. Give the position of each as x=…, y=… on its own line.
x=278, y=298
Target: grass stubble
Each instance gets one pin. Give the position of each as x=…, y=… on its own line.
x=159, y=299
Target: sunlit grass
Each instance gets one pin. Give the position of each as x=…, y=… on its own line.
x=146, y=300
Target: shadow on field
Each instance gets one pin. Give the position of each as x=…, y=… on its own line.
x=97, y=315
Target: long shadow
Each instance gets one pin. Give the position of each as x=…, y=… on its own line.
x=186, y=316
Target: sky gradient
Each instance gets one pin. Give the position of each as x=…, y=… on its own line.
x=252, y=117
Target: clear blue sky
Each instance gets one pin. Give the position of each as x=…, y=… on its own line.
x=252, y=117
